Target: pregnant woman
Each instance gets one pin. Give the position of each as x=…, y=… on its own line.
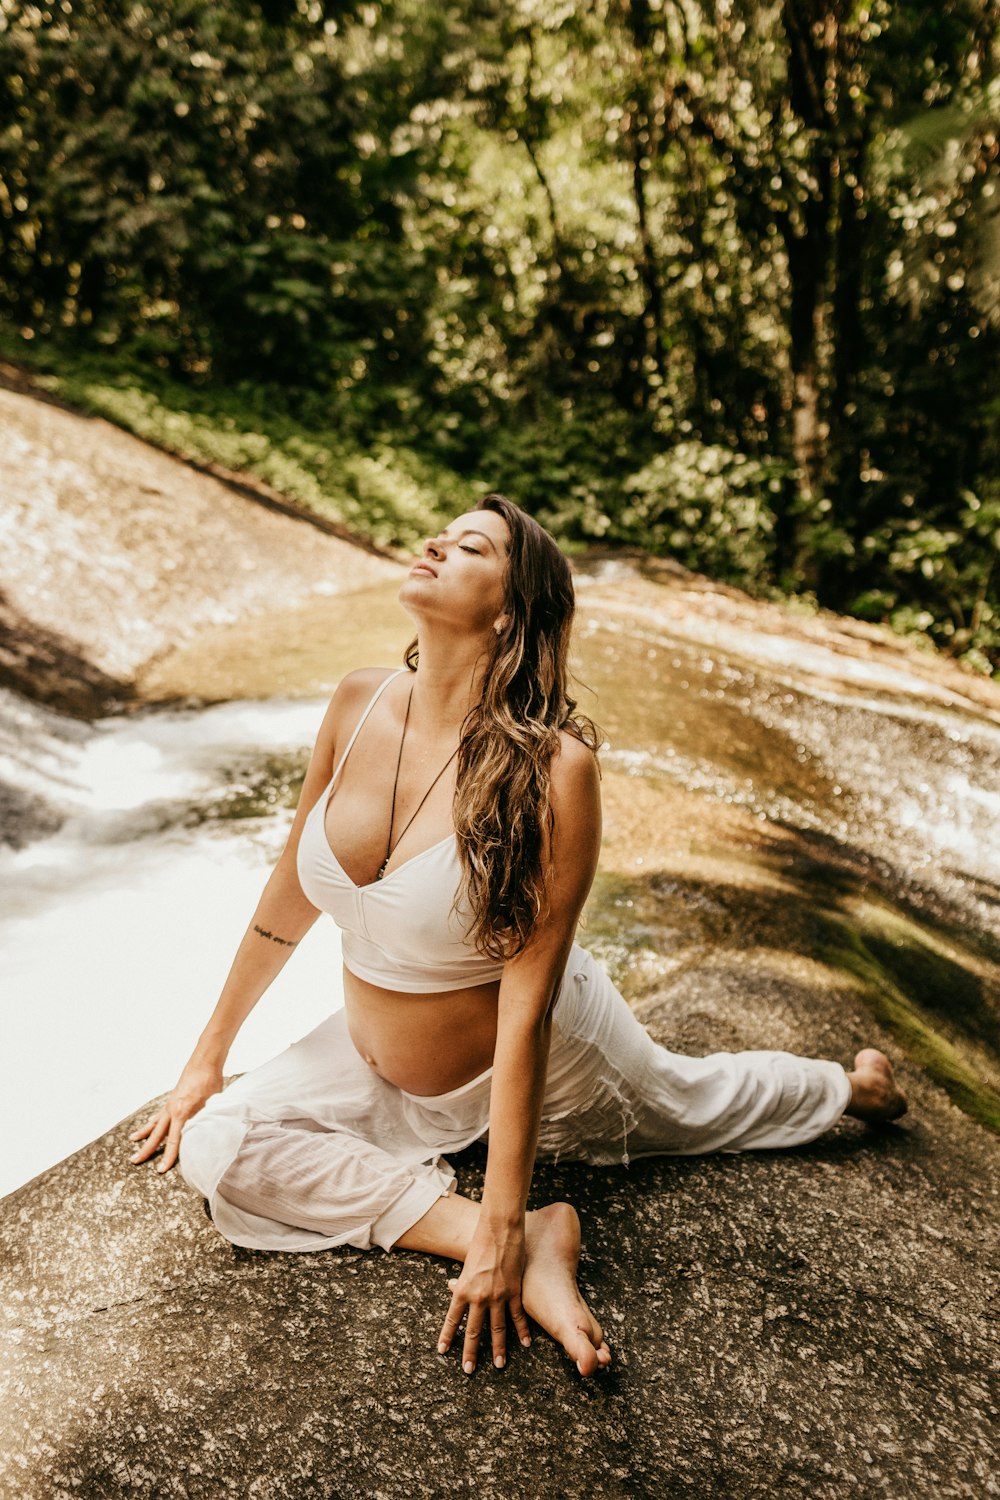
x=450, y=822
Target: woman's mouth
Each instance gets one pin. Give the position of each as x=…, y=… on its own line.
x=422, y=568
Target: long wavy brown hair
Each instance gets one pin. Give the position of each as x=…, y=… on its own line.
x=501, y=809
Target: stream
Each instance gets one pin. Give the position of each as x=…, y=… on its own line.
x=768, y=780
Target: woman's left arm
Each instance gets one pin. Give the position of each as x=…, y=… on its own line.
x=490, y=1281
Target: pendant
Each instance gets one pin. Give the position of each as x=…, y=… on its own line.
x=382, y=870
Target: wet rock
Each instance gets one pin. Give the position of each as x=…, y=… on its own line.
x=114, y=552
x=53, y=669
x=809, y=1323
x=24, y=816
x=814, y=1323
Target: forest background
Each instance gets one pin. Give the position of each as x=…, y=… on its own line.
x=719, y=280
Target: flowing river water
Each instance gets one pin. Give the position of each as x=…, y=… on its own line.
x=791, y=787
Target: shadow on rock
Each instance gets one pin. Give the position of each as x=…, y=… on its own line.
x=50, y=669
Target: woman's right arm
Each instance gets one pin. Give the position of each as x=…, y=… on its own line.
x=283, y=916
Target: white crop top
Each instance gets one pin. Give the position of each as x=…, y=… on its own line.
x=399, y=932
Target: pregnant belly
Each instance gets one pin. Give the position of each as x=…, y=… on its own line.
x=426, y=1044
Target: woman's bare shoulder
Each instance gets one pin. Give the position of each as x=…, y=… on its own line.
x=350, y=698
x=575, y=802
x=574, y=767
x=573, y=751
x=363, y=680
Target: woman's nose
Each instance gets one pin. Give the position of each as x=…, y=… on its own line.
x=433, y=548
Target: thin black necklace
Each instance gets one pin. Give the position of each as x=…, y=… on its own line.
x=392, y=815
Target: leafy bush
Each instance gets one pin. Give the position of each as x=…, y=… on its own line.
x=707, y=506
x=940, y=581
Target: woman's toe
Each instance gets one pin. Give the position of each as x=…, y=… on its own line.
x=871, y=1057
x=583, y=1351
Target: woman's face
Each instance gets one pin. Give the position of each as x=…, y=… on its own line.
x=459, y=576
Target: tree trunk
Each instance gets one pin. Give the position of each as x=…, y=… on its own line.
x=812, y=30
x=637, y=126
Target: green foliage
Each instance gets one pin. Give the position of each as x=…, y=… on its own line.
x=950, y=567
x=622, y=261
x=195, y=185
x=564, y=461
x=710, y=508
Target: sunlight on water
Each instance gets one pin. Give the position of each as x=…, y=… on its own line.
x=117, y=939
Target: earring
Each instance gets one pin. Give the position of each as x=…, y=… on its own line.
x=500, y=626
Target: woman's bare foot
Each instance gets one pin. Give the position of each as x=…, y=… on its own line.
x=875, y=1096
x=549, y=1290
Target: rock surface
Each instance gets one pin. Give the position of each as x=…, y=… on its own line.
x=812, y=1323
x=112, y=551
x=815, y=1323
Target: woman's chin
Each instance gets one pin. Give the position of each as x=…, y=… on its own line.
x=409, y=594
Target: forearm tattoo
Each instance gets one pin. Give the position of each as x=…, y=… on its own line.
x=285, y=942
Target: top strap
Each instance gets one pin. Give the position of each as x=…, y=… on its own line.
x=371, y=704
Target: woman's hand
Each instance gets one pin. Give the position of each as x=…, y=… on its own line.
x=490, y=1283
x=198, y=1082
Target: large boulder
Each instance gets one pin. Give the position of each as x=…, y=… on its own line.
x=809, y=1323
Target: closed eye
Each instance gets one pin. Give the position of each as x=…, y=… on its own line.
x=474, y=550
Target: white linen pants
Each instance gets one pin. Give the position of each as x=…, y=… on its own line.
x=313, y=1149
